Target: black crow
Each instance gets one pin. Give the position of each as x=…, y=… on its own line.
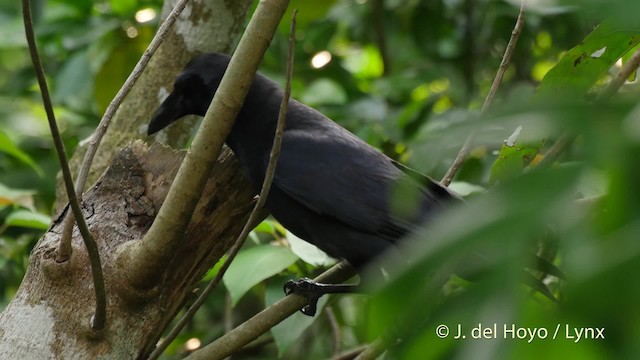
x=330, y=188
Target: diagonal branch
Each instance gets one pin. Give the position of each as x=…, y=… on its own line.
x=98, y=320
x=504, y=65
x=631, y=65
x=566, y=139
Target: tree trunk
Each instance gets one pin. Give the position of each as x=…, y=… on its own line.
x=49, y=317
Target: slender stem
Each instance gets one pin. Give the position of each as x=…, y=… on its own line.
x=504, y=65
x=458, y=161
x=371, y=352
x=228, y=312
x=336, y=332
x=64, y=249
x=255, y=213
x=350, y=354
x=566, y=139
x=629, y=67
x=99, y=318
x=506, y=58
x=557, y=149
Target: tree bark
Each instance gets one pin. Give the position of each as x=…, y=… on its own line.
x=49, y=316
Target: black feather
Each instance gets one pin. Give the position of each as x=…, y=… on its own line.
x=330, y=188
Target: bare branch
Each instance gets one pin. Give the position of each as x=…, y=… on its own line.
x=566, y=139
x=504, y=65
x=558, y=147
x=350, y=354
x=336, y=333
x=97, y=322
x=375, y=349
x=632, y=65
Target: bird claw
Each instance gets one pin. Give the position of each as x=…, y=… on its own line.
x=307, y=288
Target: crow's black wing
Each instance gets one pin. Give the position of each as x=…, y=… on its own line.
x=332, y=172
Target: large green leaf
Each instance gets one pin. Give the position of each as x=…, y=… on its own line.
x=513, y=158
x=28, y=219
x=253, y=265
x=324, y=92
x=582, y=66
x=73, y=83
x=22, y=198
x=10, y=148
x=123, y=7
x=495, y=229
x=309, y=253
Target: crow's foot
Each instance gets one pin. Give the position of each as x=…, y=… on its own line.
x=313, y=291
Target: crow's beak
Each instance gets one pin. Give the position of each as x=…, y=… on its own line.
x=170, y=110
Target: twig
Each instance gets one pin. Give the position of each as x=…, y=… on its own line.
x=350, y=354
x=262, y=198
x=336, y=333
x=228, y=312
x=632, y=65
x=506, y=58
x=375, y=349
x=558, y=147
x=457, y=162
x=260, y=323
x=98, y=320
x=566, y=139
x=504, y=65
x=64, y=249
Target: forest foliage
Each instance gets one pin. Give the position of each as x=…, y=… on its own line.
x=409, y=77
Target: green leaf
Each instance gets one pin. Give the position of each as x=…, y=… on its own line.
x=512, y=159
x=308, y=252
x=265, y=227
x=123, y=7
x=464, y=188
x=365, y=62
x=22, y=198
x=324, y=92
x=12, y=34
x=10, y=148
x=253, y=265
x=213, y=271
x=28, y=219
x=498, y=226
x=582, y=66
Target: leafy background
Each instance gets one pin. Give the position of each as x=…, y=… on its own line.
x=416, y=98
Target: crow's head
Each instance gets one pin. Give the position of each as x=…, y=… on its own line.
x=192, y=91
